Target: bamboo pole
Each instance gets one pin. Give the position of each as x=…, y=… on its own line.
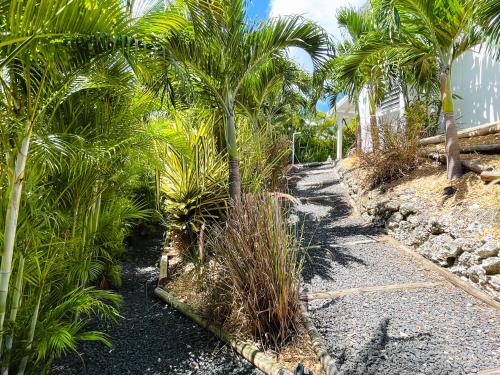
x=470, y=165
x=475, y=131
x=319, y=343
x=481, y=149
x=245, y=349
x=490, y=176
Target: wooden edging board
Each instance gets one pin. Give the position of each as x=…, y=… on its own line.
x=455, y=280
x=318, y=343
x=368, y=289
x=259, y=359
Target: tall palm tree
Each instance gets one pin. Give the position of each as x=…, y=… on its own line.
x=353, y=74
x=222, y=49
x=438, y=32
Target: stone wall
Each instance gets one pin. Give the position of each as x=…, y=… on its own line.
x=454, y=239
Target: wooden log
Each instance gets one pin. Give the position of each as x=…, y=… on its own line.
x=481, y=149
x=485, y=129
x=245, y=349
x=490, y=176
x=319, y=343
x=334, y=294
x=476, y=167
x=470, y=165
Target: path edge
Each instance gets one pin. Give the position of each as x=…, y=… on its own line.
x=318, y=342
x=253, y=355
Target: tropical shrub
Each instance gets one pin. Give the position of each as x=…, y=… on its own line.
x=259, y=256
x=264, y=156
x=192, y=178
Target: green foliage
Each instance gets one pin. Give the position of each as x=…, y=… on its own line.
x=316, y=141
x=264, y=156
x=192, y=178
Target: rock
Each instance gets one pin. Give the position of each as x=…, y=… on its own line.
x=468, y=259
x=418, y=236
x=392, y=206
x=396, y=218
x=489, y=249
x=407, y=209
x=491, y=265
x=459, y=270
x=477, y=274
x=444, y=250
x=467, y=244
x=494, y=281
x=436, y=226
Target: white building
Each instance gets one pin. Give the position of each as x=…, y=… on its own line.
x=475, y=79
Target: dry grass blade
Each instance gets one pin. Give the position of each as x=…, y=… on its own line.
x=260, y=256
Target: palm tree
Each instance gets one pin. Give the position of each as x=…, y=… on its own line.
x=352, y=74
x=437, y=33
x=221, y=50
x=46, y=51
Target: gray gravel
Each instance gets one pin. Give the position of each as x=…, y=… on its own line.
x=152, y=338
x=439, y=330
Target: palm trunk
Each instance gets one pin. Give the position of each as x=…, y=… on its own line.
x=31, y=334
x=373, y=122
x=453, y=164
x=16, y=302
x=12, y=215
x=232, y=150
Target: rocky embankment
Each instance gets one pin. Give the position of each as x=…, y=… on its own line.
x=459, y=239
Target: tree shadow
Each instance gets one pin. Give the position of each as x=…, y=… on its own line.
x=371, y=358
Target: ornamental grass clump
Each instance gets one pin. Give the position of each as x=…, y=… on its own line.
x=260, y=259
x=397, y=155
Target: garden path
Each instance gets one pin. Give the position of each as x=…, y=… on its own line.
x=151, y=337
x=410, y=320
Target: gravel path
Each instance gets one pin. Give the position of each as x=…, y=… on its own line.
x=438, y=330
x=152, y=338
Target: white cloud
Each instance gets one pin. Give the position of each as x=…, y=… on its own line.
x=321, y=11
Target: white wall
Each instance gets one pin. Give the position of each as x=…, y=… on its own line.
x=364, y=120
x=476, y=78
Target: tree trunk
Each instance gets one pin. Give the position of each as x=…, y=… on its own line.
x=232, y=150
x=17, y=180
x=16, y=301
x=453, y=164
x=373, y=122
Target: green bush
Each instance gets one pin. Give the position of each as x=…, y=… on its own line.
x=192, y=179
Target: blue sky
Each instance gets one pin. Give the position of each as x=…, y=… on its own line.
x=321, y=11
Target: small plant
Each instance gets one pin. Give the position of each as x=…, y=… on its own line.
x=398, y=153
x=192, y=183
x=259, y=254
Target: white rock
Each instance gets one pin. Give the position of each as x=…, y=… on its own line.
x=491, y=265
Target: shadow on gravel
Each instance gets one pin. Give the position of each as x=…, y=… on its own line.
x=151, y=338
x=371, y=358
x=318, y=262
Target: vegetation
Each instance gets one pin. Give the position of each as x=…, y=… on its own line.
x=117, y=113
x=260, y=258
x=398, y=153
x=412, y=45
